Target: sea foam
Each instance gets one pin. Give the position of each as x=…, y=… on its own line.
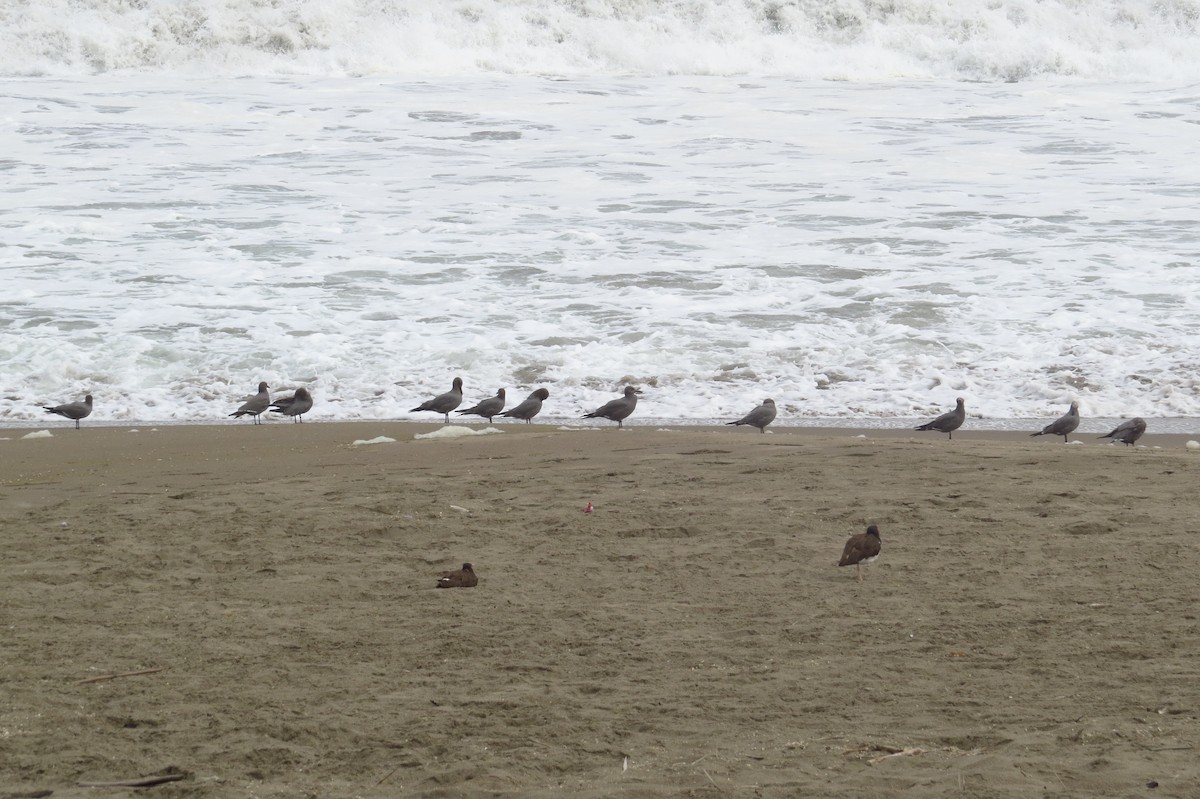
x=851, y=250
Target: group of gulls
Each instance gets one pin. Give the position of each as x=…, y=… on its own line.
x=294, y=406
x=617, y=410
x=487, y=408
x=1126, y=432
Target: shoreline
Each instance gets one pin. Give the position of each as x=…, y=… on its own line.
x=1090, y=426
x=345, y=432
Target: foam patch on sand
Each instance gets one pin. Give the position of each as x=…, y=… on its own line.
x=457, y=432
x=377, y=440
x=38, y=434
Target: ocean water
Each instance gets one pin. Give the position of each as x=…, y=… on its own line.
x=862, y=210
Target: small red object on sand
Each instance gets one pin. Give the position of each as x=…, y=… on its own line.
x=588, y=509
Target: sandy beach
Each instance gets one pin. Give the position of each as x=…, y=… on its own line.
x=1030, y=629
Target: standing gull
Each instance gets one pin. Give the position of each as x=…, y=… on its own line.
x=463, y=578
x=1128, y=432
x=530, y=407
x=488, y=407
x=760, y=417
x=617, y=410
x=444, y=403
x=256, y=404
x=73, y=410
x=1063, y=425
x=950, y=421
x=861, y=550
x=295, y=406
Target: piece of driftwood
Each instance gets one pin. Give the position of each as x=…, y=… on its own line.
x=136, y=782
x=892, y=751
x=911, y=750
x=873, y=748
x=104, y=677
x=385, y=776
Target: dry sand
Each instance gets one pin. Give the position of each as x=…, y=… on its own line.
x=1030, y=629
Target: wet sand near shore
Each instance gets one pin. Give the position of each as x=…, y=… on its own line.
x=1029, y=630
